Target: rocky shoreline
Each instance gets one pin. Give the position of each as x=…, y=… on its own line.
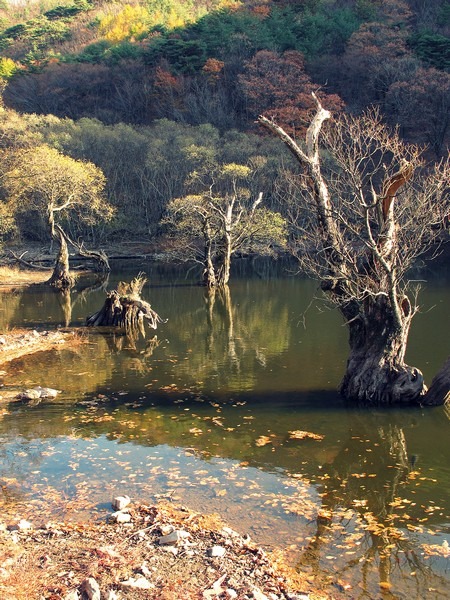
x=157, y=552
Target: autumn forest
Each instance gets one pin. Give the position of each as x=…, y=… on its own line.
x=137, y=97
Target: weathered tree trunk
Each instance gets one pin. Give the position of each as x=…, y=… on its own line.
x=98, y=256
x=209, y=273
x=439, y=392
x=224, y=272
x=61, y=278
x=124, y=308
x=376, y=373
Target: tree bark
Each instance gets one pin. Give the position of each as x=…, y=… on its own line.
x=61, y=278
x=124, y=308
x=376, y=373
x=209, y=273
x=225, y=267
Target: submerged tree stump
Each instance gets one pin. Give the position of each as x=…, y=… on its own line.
x=125, y=308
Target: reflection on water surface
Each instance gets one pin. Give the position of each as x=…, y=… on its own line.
x=208, y=413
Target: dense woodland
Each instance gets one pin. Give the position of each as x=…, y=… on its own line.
x=138, y=97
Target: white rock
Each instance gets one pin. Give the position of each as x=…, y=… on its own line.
x=91, y=588
x=29, y=395
x=46, y=392
x=140, y=583
x=145, y=570
x=121, y=517
x=258, y=595
x=73, y=595
x=231, y=594
x=22, y=525
x=216, y=551
x=121, y=502
x=112, y=595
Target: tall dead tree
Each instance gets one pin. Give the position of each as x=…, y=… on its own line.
x=362, y=213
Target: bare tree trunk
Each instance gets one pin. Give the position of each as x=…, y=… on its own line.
x=376, y=373
x=61, y=277
x=209, y=273
x=224, y=274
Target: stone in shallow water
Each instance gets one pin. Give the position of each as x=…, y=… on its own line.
x=120, y=502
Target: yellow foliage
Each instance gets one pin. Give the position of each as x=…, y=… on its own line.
x=7, y=68
x=130, y=22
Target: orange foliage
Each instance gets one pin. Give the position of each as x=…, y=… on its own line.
x=213, y=67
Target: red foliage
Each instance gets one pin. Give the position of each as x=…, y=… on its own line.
x=278, y=86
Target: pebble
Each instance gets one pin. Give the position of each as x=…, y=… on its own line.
x=121, y=517
x=120, y=502
x=216, y=551
x=140, y=583
x=91, y=588
x=73, y=595
x=22, y=525
x=166, y=529
x=173, y=537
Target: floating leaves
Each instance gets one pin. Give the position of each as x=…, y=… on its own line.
x=437, y=550
x=263, y=440
x=303, y=435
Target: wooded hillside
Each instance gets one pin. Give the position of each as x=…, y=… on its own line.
x=147, y=89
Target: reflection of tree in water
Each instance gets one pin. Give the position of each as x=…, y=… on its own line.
x=237, y=338
x=369, y=523
x=68, y=299
x=10, y=302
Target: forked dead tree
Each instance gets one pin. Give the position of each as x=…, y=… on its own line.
x=362, y=213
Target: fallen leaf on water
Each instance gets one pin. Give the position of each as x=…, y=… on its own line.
x=263, y=440
x=301, y=435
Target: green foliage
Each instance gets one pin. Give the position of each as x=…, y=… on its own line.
x=94, y=53
x=66, y=12
x=40, y=32
x=432, y=48
x=326, y=32
x=16, y=32
x=183, y=56
x=224, y=32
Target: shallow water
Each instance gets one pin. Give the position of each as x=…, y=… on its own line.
x=209, y=414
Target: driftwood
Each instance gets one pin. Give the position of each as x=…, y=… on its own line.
x=27, y=264
x=125, y=308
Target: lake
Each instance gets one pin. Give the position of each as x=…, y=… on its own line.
x=231, y=407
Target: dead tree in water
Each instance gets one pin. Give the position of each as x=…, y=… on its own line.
x=362, y=214
x=125, y=308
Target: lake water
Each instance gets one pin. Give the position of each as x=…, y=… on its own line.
x=210, y=413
